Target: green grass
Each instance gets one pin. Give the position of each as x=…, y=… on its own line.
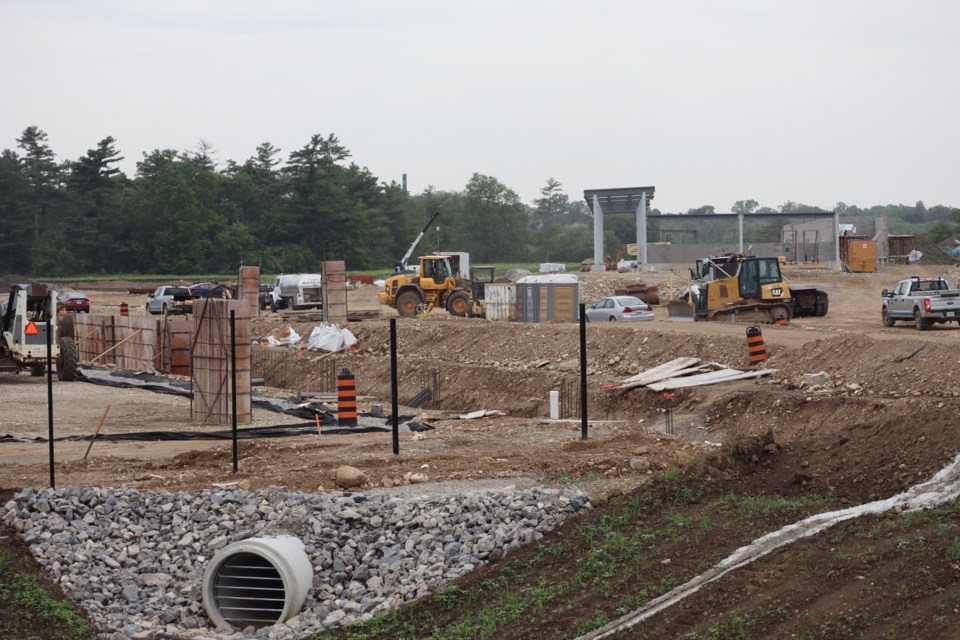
x=36, y=608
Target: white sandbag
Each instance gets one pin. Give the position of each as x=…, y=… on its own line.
x=289, y=337
x=325, y=337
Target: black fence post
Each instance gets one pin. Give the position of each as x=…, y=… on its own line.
x=583, y=371
x=393, y=387
x=233, y=381
x=53, y=479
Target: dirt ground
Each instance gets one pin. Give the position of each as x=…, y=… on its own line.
x=878, y=376
x=884, y=420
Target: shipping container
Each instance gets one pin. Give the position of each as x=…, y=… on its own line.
x=859, y=254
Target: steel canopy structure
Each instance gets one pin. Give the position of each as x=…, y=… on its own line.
x=624, y=200
x=635, y=199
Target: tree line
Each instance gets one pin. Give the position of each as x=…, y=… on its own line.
x=184, y=212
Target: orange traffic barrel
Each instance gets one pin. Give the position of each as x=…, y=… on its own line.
x=124, y=309
x=755, y=347
x=346, y=399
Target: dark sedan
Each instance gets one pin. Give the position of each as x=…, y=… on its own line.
x=211, y=290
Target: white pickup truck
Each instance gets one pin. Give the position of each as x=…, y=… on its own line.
x=923, y=301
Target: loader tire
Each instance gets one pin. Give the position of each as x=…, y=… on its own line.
x=67, y=360
x=458, y=304
x=407, y=303
x=37, y=370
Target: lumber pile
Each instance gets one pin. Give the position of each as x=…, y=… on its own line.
x=687, y=372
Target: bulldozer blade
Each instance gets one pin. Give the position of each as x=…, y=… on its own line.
x=679, y=311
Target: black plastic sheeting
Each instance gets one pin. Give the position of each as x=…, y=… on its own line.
x=163, y=384
x=249, y=433
x=178, y=387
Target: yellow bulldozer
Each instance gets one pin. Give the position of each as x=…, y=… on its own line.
x=737, y=286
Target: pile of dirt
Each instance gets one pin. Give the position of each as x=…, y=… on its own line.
x=8, y=281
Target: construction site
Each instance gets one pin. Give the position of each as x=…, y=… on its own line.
x=841, y=408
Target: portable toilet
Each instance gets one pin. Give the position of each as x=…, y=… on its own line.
x=548, y=298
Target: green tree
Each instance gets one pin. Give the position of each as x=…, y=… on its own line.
x=93, y=217
x=493, y=223
x=177, y=218
x=551, y=203
x=16, y=212
x=41, y=171
x=744, y=206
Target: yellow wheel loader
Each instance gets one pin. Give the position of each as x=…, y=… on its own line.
x=748, y=288
x=434, y=285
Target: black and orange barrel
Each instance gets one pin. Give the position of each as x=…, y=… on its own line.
x=346, y=399
x=124, y=309
x=755, y=347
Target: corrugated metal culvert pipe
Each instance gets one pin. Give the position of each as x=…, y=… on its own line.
x=258, y=581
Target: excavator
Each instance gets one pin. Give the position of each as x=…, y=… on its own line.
x=738, y=286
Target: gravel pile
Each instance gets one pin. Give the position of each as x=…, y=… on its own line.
x=135, y=560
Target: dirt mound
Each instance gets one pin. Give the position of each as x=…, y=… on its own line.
x=8, y=281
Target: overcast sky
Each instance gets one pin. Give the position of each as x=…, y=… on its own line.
x=711, y=102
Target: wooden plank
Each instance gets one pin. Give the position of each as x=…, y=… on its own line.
x=663, y=376
x=674, y=365
x=714, y=377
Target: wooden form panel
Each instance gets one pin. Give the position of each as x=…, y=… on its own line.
x=335, y=292
x=248, y=289
x=210, y=375
x=127, y=342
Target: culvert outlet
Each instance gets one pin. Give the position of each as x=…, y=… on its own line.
x=258, y=581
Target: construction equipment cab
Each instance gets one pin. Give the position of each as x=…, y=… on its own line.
x=434, y=285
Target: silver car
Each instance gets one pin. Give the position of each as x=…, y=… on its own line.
x=620, y=308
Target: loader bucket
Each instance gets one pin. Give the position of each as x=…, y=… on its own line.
x=680, y=311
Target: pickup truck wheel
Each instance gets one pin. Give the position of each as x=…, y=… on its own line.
x=887, y=320
x=919, y=321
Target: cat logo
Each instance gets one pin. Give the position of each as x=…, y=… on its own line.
x=31, y=329
x=777, y=291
